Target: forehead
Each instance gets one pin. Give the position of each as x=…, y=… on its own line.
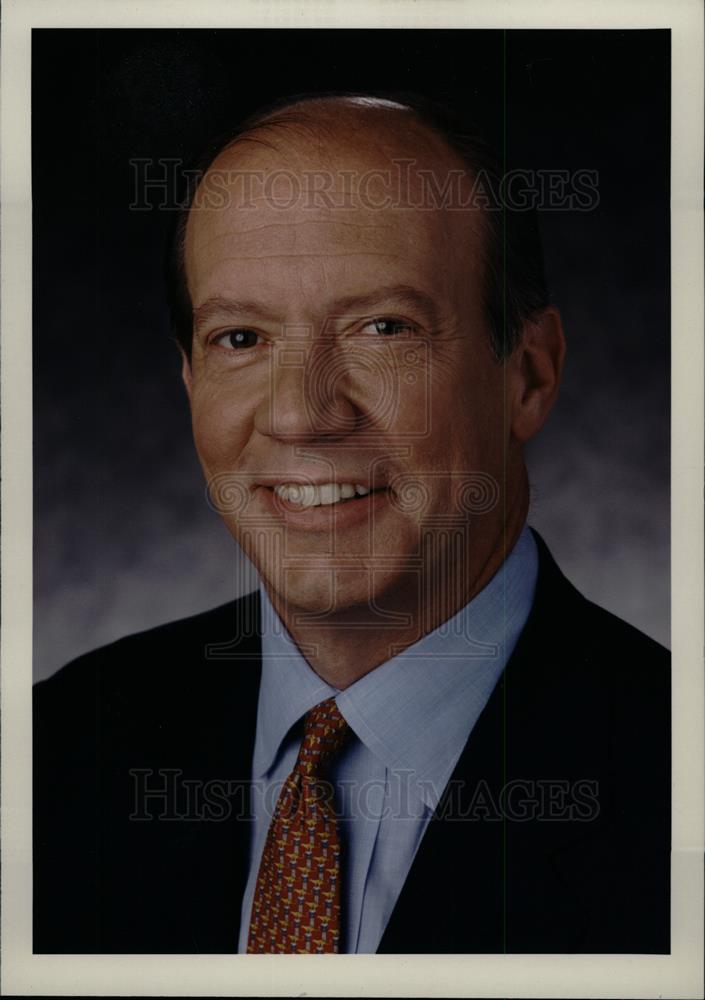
x=331, y=205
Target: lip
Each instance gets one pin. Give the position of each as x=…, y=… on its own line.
x=325, y=517
x=301, y=479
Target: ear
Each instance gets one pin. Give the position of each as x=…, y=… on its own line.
x=186, y=376
x=535, y=371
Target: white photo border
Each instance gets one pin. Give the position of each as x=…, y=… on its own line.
x=678, y=975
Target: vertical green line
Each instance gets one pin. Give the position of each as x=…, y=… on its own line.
x=504, y=478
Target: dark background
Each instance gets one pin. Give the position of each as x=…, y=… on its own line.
x=124, y=538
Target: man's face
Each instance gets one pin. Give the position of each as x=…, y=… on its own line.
x=338, y=344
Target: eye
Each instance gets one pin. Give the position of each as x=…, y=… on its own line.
x=237, y=339
x=387, y=326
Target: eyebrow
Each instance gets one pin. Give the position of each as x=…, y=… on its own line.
x=218, y=306
x=406, y=295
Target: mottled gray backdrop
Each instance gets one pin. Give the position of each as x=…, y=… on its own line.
x=124, y=538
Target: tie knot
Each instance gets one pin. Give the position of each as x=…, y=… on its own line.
x=325, y=733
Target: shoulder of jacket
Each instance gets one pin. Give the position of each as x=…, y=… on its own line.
x=569, y=621
x=226, y=624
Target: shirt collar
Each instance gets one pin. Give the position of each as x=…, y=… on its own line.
x=416, y=711
x=288, y=689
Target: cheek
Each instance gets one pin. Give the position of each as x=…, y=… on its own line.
x=222, y=424
x=468, y=427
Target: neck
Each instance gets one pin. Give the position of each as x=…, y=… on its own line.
x=346, y=646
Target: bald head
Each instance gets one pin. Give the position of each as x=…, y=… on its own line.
x=338, y=152
x=353, y=124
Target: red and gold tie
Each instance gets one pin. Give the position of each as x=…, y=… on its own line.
x=296, y=905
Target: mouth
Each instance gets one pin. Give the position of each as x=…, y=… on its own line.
x=300, y=496
x=320, y=509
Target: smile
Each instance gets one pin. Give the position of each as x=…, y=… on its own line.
x=324, y=506
x=323, y=494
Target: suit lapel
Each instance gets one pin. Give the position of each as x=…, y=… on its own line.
x=484, y=880
x=217, y=846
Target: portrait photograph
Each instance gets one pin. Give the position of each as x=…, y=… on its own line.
x=352, y=616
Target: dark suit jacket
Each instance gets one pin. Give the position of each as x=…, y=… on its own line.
x=554, y=835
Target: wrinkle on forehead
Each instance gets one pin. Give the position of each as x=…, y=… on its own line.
x=308, y=256
x=295, y=242
x=251, y=228
x=204, y=244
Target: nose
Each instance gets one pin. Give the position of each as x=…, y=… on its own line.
x=307, y=395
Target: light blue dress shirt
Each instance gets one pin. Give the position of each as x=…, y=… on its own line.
x=412, y=716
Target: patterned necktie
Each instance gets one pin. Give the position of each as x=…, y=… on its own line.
x=296, y=906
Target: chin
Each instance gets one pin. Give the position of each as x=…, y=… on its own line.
x=327, y=591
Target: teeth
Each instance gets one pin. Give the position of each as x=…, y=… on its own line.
x=328, y=493
x=324, y=494
x=307, y=496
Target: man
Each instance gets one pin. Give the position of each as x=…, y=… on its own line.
x=416, y=736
